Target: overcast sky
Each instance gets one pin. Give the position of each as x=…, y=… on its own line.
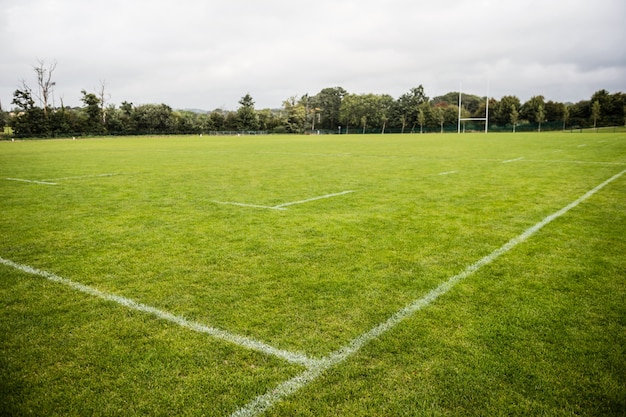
x=207, y=54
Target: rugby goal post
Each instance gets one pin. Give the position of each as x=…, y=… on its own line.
x=463, y=119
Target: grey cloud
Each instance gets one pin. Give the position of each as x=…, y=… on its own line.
x=209, y=54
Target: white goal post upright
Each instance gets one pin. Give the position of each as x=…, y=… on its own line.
x=486, y=118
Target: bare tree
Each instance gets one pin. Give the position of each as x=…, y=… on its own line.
x=45, y=83
x=103, y=99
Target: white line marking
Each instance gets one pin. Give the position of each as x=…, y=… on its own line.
x=513, y=160
x=280, y=206
x=263, y=402
x=582, y=146
x=559, y=161
x=304, y=154
x=80, y=177
x=293, y=357
x=32, y=181
x=248, y=205
x=447, y=172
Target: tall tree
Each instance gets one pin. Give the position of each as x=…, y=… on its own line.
x=329, y=103
x=595, y=113
x=103, y=99
x=45, y=83
x=29, y=120
x=421, y=117
x=500, y=113
x=540, y=116
x=529, y=110
x=440, y=116
x=514, y=116
x=248, y=119
x=295, y=111
x=408, y=105
x=93, y=111
x=385, y=106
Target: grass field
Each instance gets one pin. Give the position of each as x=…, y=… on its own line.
x=383, y=275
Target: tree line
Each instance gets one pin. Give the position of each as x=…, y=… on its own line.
x=332, y=110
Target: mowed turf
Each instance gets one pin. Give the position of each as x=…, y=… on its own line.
x=540, y=331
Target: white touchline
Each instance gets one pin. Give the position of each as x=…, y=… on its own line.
x=513, y=160
x=32, y=181
x=263, y=402
x=293, y=357
x=447, y=172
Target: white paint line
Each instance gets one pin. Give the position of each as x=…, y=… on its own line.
x=305, y=154
x=265, y=401
x=81, y=177
x=248, y=205
x=513, y=160
x=293, y=357
x=582, y=146
x=31, y=181
x=447, y=172
x=280, y=206
x=559, y=161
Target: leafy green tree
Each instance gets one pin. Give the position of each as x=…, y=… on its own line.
x=514, y=116
x=421, y=118
x=540, y=117
x=500, y=113
x=554, y=111
x=268, y=120
x=529, y=110
x=295, y=115
x=184, y=122
x=366, y=110
x=217, y=119
x=154, y=118
x=595, y=112
x=231, y=121
x=408, y=104
x=440, y=116
x=329, y=100
x=93, y=111
x=3, y=117
x=246, y=115
x=565, y=116
x=385, y=109
x=29, y=119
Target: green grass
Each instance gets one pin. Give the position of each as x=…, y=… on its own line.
x=540, y=331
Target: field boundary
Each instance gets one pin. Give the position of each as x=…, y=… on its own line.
x=242, y=341
x=265, y=401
